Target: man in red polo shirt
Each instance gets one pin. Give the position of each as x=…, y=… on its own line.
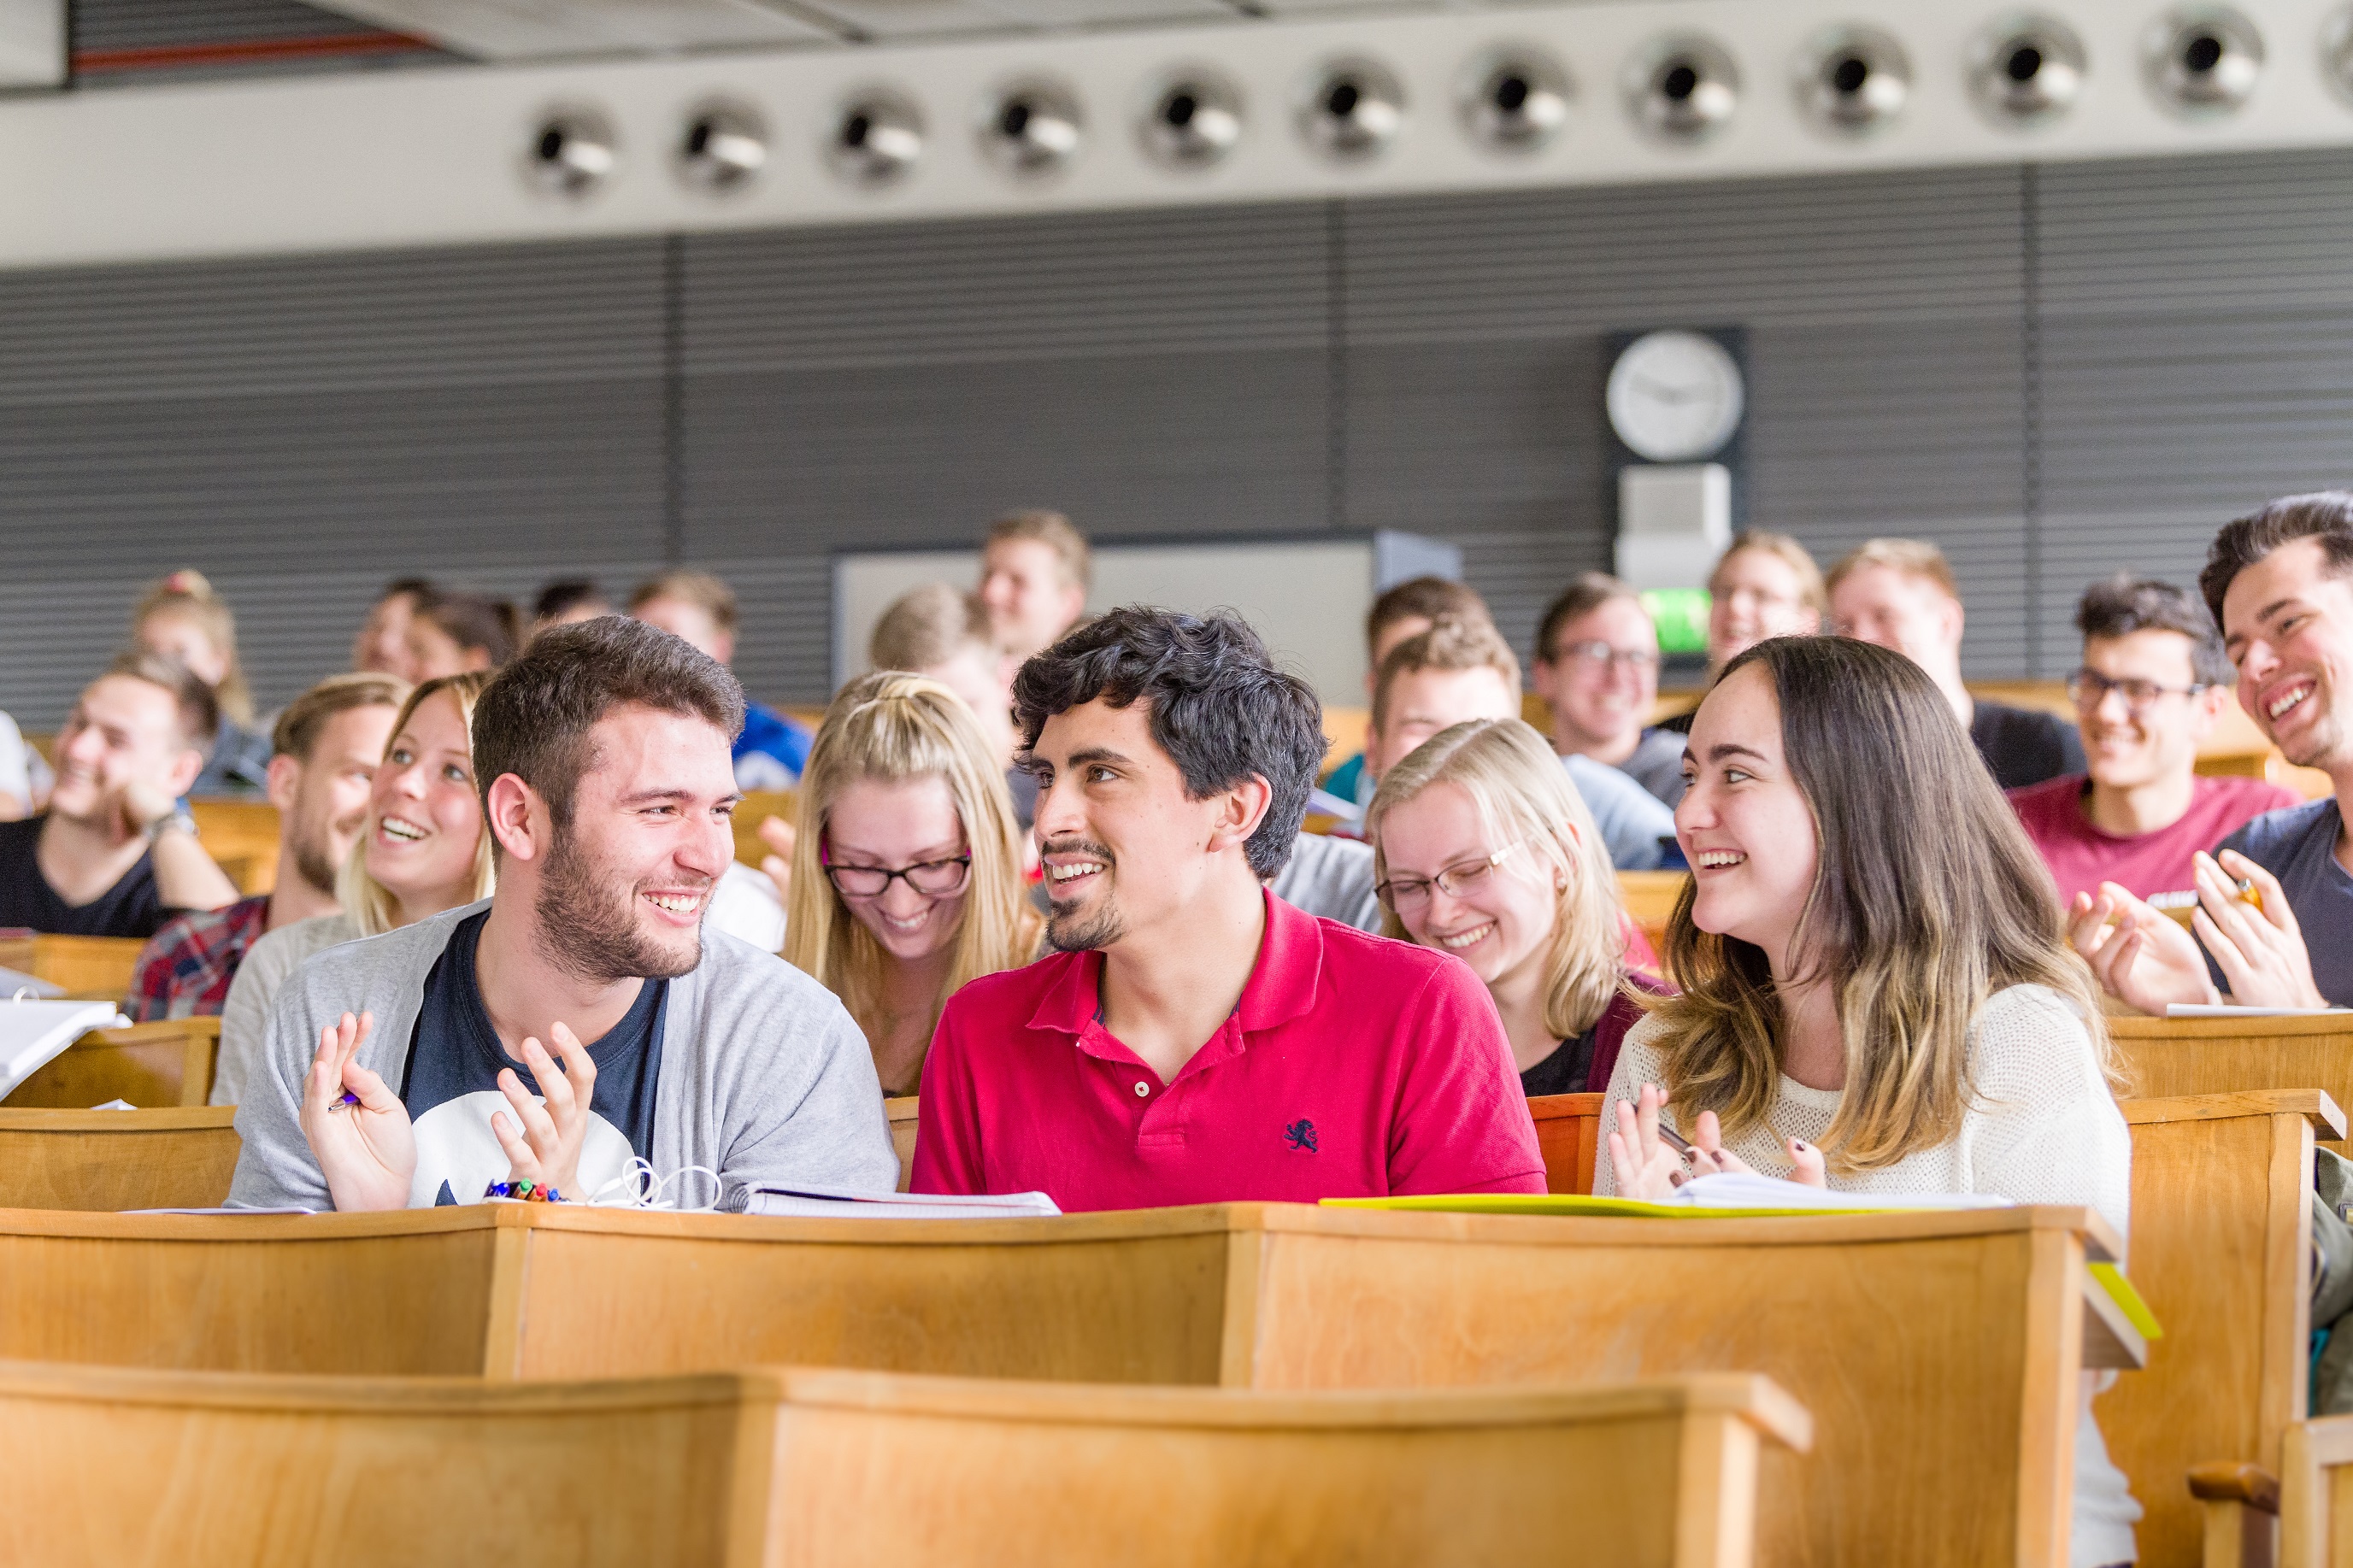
x=1195, y=1039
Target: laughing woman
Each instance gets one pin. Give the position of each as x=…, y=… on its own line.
x=1878, y=995
x=906, y=877
x=423, y=851
x=1483, y=849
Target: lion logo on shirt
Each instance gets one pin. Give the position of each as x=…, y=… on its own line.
x=1301, y=1135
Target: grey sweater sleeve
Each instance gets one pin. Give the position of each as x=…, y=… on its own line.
x=788, y=1089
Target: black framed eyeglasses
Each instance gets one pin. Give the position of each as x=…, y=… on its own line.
x=2087, y=689
x=932, y=879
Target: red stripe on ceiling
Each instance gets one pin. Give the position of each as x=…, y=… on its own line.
x=162, y=56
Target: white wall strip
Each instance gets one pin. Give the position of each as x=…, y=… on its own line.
x=428, y=157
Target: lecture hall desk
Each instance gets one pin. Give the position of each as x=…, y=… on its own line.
x=1938, y=1353
x=786, y=1468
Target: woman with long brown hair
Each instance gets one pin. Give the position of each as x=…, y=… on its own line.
x=1877, y=992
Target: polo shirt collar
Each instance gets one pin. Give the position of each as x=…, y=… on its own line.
x=1281, y=984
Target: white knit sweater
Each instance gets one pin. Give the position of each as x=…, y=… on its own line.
x=2043, y=1130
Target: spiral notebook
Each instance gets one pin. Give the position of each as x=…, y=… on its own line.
x=34, y=1033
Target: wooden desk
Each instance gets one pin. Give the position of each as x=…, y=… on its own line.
x=2169, y=1057
x=2221, y=1217
x=1569, y=1134
x=794, y=1466
x=1650, y=898
x=169, y=1062
x=1963, y=1331
x=756, y=807
x=109, y=1160
x=96, y=968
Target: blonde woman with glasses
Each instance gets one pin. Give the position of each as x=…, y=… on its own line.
x=1483, y=849
x=906, y=879
x=423, y=851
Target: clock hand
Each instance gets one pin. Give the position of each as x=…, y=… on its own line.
x=1664, y=393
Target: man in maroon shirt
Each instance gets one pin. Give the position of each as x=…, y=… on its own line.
x=1195, y=1039
x=2154, y=683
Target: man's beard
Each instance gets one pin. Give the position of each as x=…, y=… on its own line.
x=1071, y=930
x=312, y=861
x=591, y=927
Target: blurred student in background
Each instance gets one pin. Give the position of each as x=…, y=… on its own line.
x=1596, y=667
x=182, y=618
x=943, y=634
x=1486, y=851
x=115, y=855
x=1765, y=585
x=908, y=880
x=381, y=646
x=460, y=633
x=1877, y=994
x=421, y=850
x=1035, y=570
x=1899, y=594
x=1404, y=610
x=1460, y=670
x=700, y=608
x=566, y=600
x=2153, y=684
x=326, y=746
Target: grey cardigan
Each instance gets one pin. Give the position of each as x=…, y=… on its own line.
x=764, y=1077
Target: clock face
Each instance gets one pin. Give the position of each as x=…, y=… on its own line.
x=1674, y=397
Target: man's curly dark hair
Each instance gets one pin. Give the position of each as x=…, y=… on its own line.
x=1217, y=703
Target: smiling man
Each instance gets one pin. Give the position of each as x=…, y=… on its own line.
x=1596, y=667
x=1196, y=1039
x=2153, y=685
x=2280, y=583
x=581, y=1016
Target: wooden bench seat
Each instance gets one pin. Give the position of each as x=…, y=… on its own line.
x=111, y=1468
x=2169, y=1058
x=1846, y=1312
x=96, y=968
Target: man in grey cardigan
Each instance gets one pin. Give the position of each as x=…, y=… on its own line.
x=580, y=1018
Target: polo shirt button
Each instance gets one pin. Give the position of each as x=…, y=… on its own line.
x=1143, y=1089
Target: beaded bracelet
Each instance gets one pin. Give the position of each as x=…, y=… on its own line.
x=523, y=1191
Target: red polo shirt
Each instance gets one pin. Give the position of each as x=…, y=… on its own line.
x=1351, y=1066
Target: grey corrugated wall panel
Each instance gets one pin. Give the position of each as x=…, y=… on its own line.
x=2197, y=356
x=302, y=429
x=1887, y=356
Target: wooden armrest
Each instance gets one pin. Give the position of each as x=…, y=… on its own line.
x=2249, y=1484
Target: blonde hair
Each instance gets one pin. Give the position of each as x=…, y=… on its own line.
x=708, y=594
x=1912, y=557
x=1927, y=898
x=188, y=595
x=369, y=902
x=890, y=726
x=1448, y=645
x=1791, y=554
x=1523, y=796
x=1057, y=533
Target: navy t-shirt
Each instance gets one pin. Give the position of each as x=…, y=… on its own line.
x=132, y=906
x=451, y=1084
x=2298, y=846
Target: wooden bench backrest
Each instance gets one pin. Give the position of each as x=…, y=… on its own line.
x=113, y=1468
x=756, y=807
x=169, y=1062
x=903, y=1111
x=96, y=967
x=2221, y=1219
x=2316, y=1525
x=109, y=1160
x=240, y=832
x=1939, y=1354
x=2171, y=1057
x=1569, y=1134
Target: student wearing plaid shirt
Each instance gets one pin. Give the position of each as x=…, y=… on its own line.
x=324, y=749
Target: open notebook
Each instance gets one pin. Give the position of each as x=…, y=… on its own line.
x=33, y=1032
x=841, y=1202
